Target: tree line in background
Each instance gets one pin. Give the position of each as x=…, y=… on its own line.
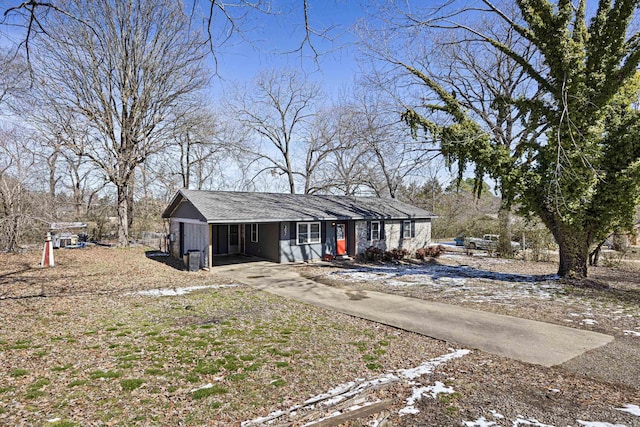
x=106, y=114
x=110, y=114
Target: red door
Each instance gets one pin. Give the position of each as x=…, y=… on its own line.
x=341, y=239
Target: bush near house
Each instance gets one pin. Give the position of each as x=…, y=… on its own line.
x=395, y=254
x=373, y=254
x=430, y=252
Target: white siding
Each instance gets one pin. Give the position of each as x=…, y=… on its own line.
x=174, y=231
x=196, y=237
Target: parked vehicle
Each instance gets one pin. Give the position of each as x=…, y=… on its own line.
x=487, y=242
x=459, y=241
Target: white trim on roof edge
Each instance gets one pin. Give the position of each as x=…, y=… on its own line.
x=188, y=220
x=309, y=219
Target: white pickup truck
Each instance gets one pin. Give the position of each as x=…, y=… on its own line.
x=488, y=242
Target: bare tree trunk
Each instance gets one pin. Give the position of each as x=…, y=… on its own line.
x=130, y=204
x=123, y=215
x=504, y=220
x=292, y=183
x=594, y=256
x=53, y=160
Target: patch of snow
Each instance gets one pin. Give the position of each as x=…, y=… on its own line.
x=496, y=414
x=418, y=392
x=439, y=388
x=530, y=422
x=428, y=366
x=262, y=420
x=333, y=400
x=598, y=424
x=632, y=333
x=480, y=422
x=632, y=409
x=353, y=388
x=204, y=387
x=589, y=321
x=454, y=279
x=423, y=369
x=54, y=420
x=173, y=292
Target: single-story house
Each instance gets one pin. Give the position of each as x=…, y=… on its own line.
x=290, y=227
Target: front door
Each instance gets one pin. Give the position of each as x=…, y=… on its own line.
x=341, y=239
x=222, y=239
x=234, y=239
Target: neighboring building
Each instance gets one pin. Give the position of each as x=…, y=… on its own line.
x=290, y=227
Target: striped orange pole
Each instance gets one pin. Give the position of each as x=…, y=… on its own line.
x=47, y=253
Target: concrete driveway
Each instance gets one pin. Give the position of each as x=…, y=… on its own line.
x=525, y=340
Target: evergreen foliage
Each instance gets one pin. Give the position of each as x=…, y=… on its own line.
x=581, y=176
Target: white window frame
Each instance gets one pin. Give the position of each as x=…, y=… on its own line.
x=254, y=233
x=375, y=234
x=303, y=229
x=406, y=229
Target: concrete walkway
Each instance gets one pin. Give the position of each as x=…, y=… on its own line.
x=525, y=340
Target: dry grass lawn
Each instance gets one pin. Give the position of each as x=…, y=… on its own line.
x=80, y=345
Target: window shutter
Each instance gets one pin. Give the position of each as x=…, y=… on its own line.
x=402, y=229
x=368, y=230
x=382, y=232
x=413, y=229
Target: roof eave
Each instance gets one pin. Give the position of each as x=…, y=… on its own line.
x=311, y=219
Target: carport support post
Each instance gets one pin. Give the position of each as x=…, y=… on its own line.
x=210, y=248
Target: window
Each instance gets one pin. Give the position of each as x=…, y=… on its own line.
x=408, y=229
x=375, y=230
x=308, y=232
x=254, y=233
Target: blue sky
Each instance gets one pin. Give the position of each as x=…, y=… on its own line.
x=270, y=37
x=267, y=38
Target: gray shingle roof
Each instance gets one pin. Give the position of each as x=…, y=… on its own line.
x=239, y=207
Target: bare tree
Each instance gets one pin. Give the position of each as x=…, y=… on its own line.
x=222, y=21
x=485, y=83
x=123, y=67
x=277, y=110
x=21, y=204
x=198, y=142
x=14, y=82
x=393, y=154
x=327, y=141
x=345, y=170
